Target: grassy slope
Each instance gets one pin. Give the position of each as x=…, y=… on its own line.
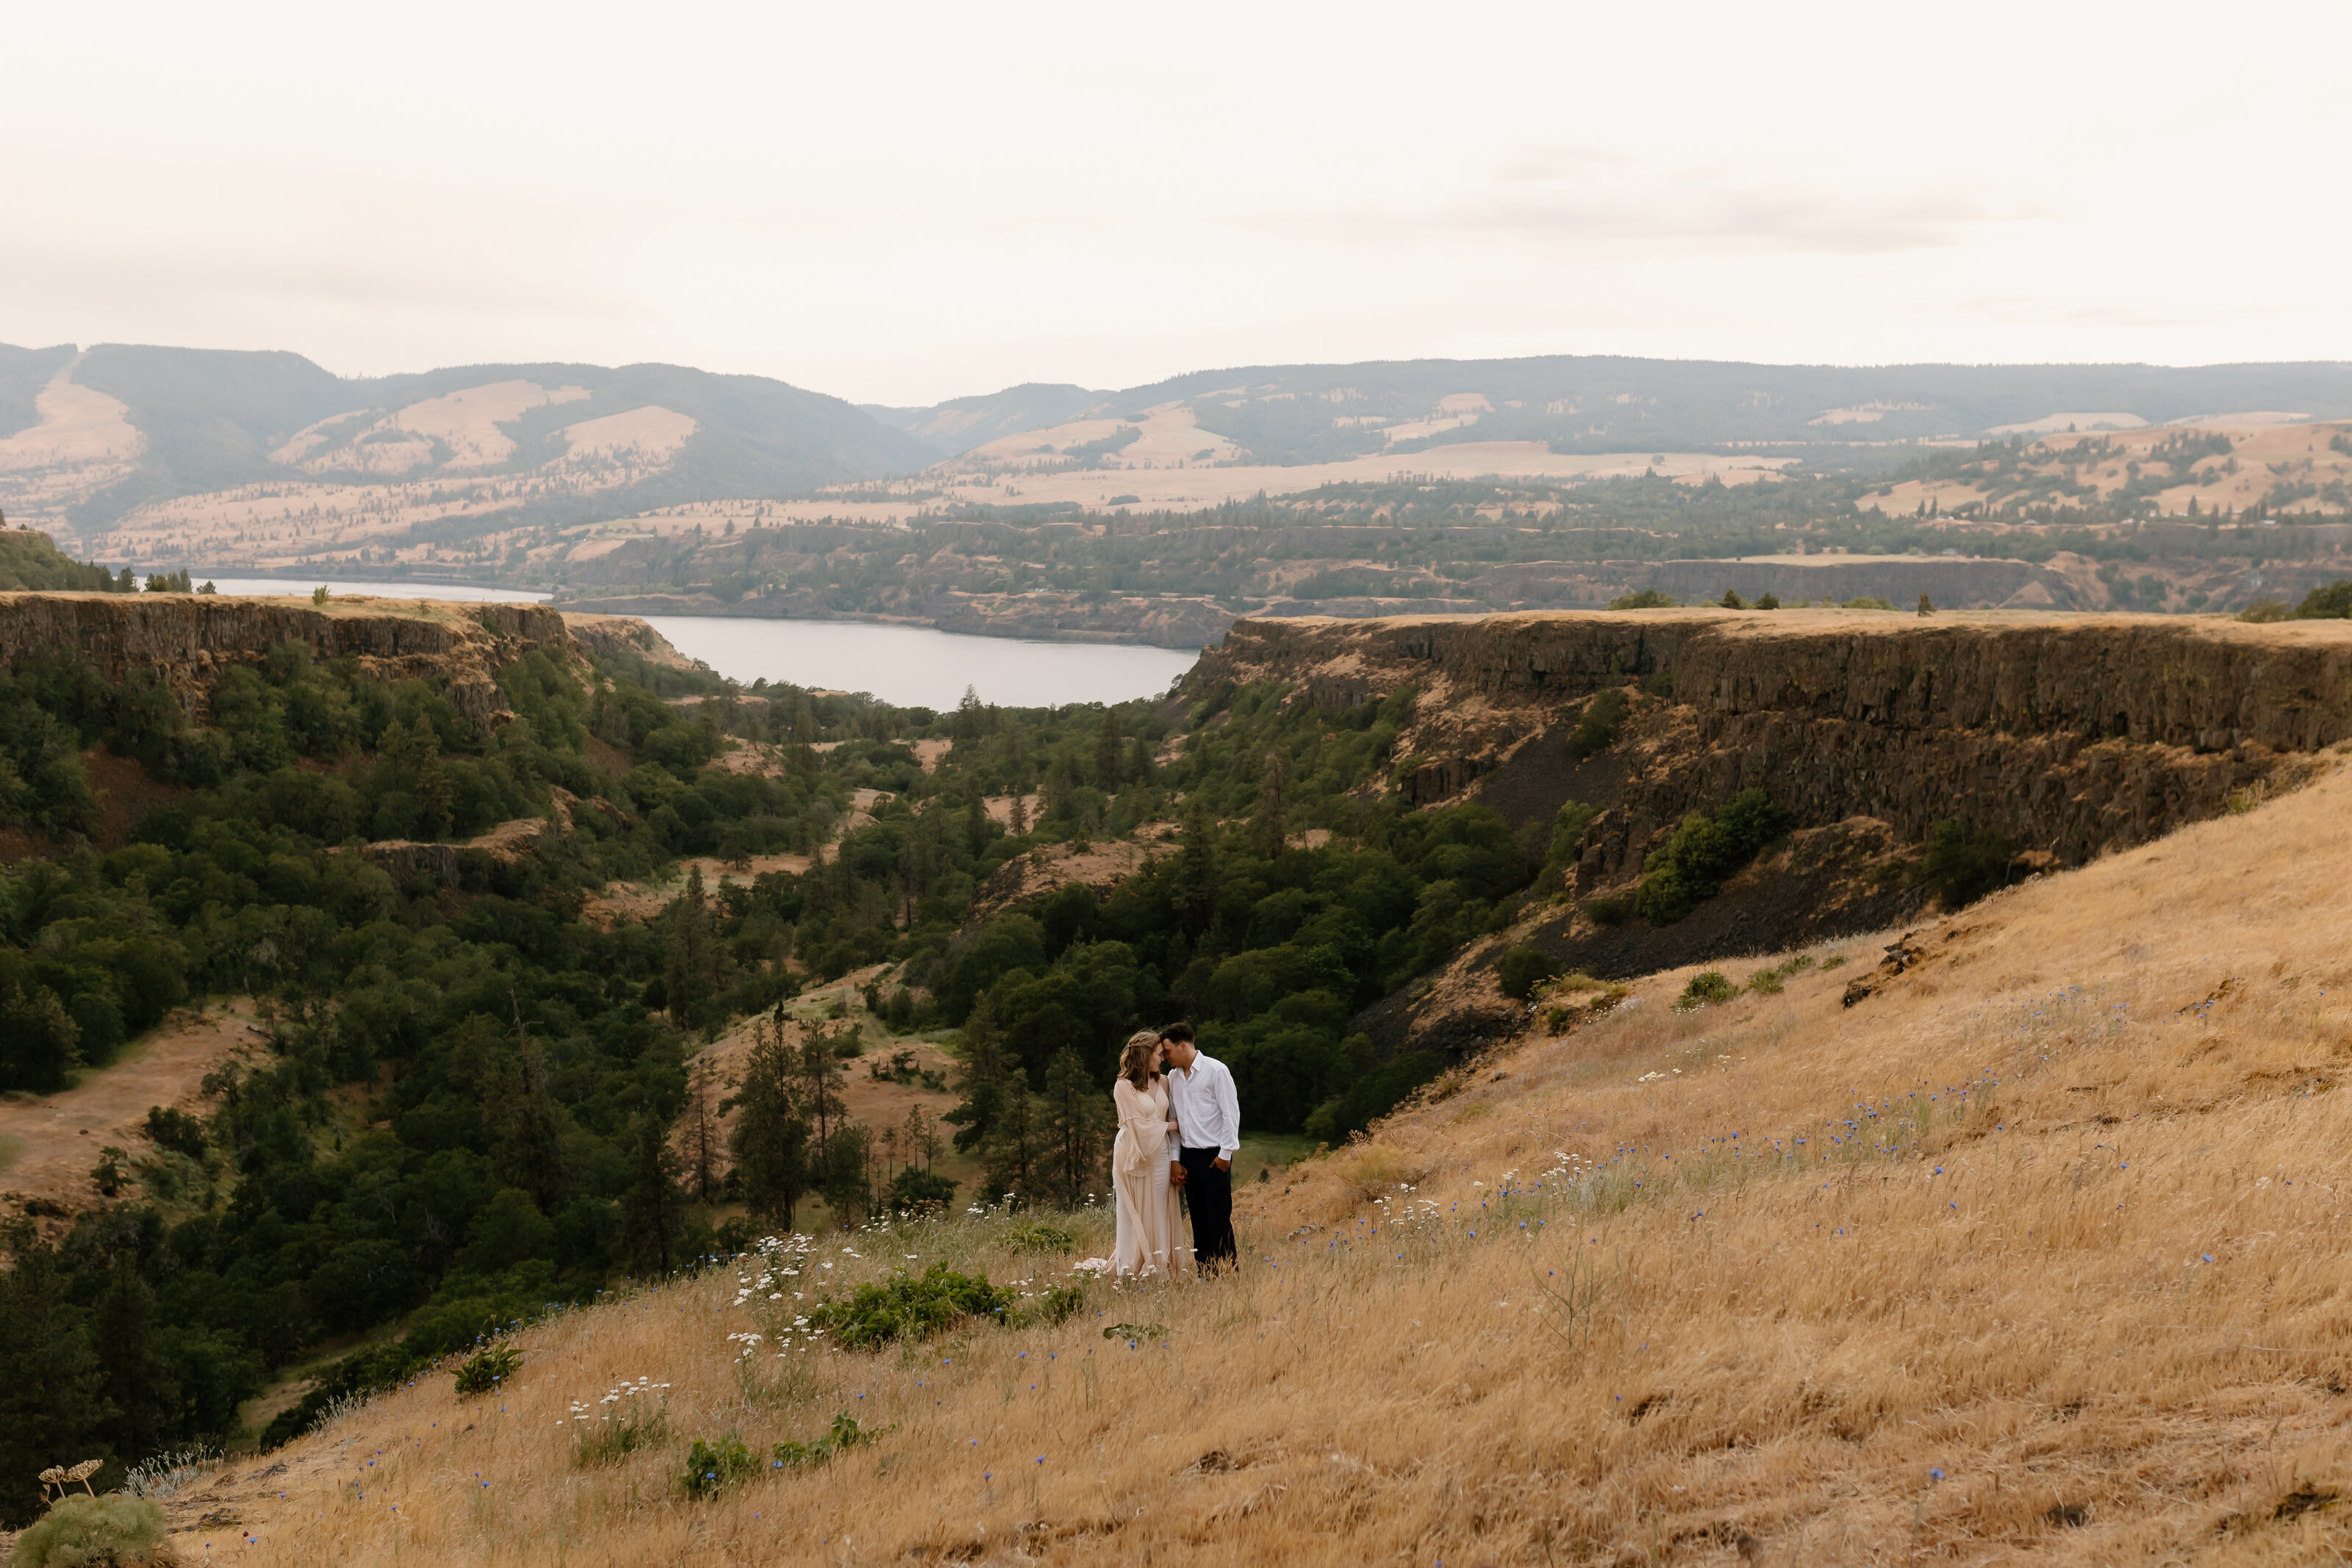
x=1771, y=1340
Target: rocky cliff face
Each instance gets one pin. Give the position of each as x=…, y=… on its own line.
x=187, y=639
x=2069, y=734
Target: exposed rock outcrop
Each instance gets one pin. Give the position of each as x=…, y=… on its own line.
x=186, y=639
x=624, y=634
x=2067, y=733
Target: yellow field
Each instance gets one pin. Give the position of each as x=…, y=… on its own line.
x=2036, y=1253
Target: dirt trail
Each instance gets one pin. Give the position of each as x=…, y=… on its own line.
x=49, y=1144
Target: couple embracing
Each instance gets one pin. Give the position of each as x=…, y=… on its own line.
x=1179, y=1123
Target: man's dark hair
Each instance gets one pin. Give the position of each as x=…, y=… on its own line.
x=1182, y=1031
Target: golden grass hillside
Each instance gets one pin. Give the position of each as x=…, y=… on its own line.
x=2038, y=1252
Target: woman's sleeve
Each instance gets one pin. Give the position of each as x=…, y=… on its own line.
x=1140, y=1123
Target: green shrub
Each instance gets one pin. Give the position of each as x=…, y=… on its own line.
x=1609, y=908
x=713, y=1468
x=1568, y=833
x=486, y=1369
x=911, y=1307
x=1372, y=1094
x=1040, y=1239
x=846, y=1435
x=1767, y=982
x=2333, y=602
x=1768, y=602
x=1705, y=989
x=1703, y=852
x=1057, y=1305
x=1659, y=683
x=86, y=1532
x=1596, y=729
x=2263, y=612
x=1868, y=604
x=175, y=1130
x=1965, y=863
x=920, y=1190
x=1647, y=599
x=1731, y=600
x=1522, y=968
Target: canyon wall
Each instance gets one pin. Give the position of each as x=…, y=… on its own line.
x=2070, y=734
x=186, y=639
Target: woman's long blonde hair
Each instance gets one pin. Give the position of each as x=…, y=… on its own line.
x=1135, y=1060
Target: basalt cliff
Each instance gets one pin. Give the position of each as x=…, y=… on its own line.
x=186, y=639
x=2068, y=736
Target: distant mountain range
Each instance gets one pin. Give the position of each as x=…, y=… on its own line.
x=146, y=450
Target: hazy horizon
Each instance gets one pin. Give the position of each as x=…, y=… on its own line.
x=939, y=204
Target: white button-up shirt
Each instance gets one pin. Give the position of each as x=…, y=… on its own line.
x=1207, y=1108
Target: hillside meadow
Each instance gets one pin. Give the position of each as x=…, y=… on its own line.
x=2034, y=1252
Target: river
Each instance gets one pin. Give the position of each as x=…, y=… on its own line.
x=912, y=666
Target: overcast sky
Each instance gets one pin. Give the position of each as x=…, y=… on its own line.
x=902, y=204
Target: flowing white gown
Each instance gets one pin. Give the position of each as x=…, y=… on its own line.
x=1150, y=1223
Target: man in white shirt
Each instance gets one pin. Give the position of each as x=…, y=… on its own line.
x=1209, y=1125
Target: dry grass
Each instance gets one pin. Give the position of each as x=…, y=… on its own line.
x=2057, y=1214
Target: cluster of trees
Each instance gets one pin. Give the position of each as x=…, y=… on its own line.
x=30, y=559
x=451, y=1125
x=1271, y=946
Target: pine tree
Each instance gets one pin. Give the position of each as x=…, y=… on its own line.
x=700, y=1119
x=770, y=1140
x=1077, y=1112
x=920, y=1136
x=435, y=803
x=1061, y=780
x=1106, y=753
x=1194, y=885
x=689, y=949
x=1269, y=830
x=821, y=1076
x=653, y=1210
x=983, y=1078
x=975, y=826
x=52, y=1395
x=528, y=1151
x=139, y=1385
x=1017, y=1148
x=845, y=1173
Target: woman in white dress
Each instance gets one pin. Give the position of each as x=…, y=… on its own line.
x=1150, y=1227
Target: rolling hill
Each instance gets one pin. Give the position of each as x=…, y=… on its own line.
x=263, y=461
x=143, y=452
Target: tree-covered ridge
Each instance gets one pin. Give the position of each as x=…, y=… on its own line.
x=459, y=1076
x=30, y=559
x=1468, y=544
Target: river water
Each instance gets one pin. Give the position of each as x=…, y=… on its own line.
x=912, y=666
